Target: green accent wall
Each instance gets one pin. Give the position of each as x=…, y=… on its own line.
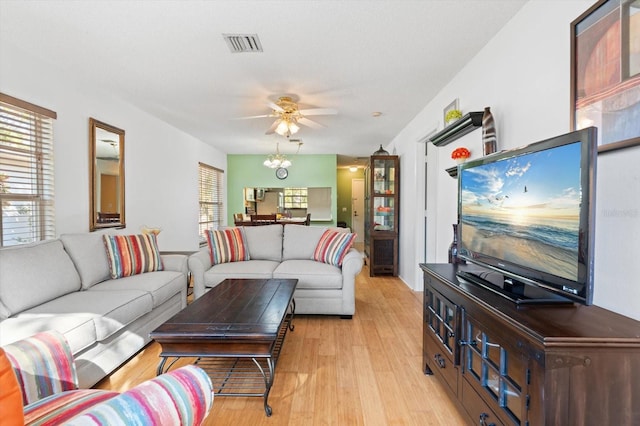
x=247, y=171
x=344, y=193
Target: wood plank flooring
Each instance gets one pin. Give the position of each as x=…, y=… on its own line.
x=363, y=371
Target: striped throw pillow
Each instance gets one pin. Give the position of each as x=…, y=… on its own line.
x=333, y=247
x=180, y=397
x=43, y=364
x=227, y=246
x=132, y=254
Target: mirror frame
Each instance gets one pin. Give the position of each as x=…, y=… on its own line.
x=94, y=225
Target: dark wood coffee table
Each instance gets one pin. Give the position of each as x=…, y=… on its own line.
x=236, y=332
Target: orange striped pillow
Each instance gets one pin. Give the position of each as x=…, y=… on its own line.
x=132, y=254
x=227, y=246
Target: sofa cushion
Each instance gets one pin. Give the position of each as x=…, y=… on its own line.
x=35, y=273
x=162, y=285
x=10, y=393
x=226, y=245
x=132, y=254
x=310, y=274
x=247, y=269
x=265, y=242
x=300, y=241
x=60, y=408
x=333, y=247
x=111, y=311
x=78, y=329
x=89, y=256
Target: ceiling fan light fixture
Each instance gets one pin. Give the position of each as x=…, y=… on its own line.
x=287, y=127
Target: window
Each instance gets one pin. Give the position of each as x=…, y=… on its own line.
x=26, y=172
x=295, y=198
x=211, y=206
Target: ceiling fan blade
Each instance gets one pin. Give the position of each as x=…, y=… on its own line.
x=309, y=123
x=275, y=107
x=319, y=111
x=255, y=116
x=272, y=129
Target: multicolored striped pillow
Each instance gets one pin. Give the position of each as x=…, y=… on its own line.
x=132, y=254
x=179, y=397
x=333, y=247
x=228, y=245
x=43, y=364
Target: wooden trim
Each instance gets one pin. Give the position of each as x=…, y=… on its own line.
x=28, y=106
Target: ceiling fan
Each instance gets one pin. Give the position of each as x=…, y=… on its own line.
x=289, y=116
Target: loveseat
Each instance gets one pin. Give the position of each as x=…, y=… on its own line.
x=38, y=386
x=320, y=258
x=65, y=284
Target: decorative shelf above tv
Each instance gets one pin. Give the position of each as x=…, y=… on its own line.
x=457, y=129
x=453, y=171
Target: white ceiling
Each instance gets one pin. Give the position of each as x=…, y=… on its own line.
x=169, y=59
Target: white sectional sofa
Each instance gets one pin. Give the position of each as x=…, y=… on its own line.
x=65, y=285
x=277, y=251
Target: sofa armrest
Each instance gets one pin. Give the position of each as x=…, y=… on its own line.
x=175, y=262
x=43, y=364
x=352, y=263
x=199, y=263
x=351, y=267
x=180, y=397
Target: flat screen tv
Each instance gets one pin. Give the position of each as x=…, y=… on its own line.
x=527, y=220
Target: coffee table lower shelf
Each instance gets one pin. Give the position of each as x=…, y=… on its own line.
x=240, y=375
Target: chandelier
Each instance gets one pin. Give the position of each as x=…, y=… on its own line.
x=280, y=160
x=277, y=160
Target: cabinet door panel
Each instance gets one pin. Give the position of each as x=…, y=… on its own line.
x=495, y=370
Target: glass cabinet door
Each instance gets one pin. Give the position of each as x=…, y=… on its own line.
x=499, y=370
x=384, y=208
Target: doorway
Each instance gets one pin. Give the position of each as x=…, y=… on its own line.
x=357, y=209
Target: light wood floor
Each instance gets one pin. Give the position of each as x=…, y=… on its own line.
x=364, y=371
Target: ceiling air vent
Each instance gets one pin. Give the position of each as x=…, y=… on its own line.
x=239, y=43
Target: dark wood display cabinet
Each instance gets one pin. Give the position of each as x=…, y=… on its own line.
x=382, y=201
x=534, y=365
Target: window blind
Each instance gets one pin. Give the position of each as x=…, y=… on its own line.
x=210, y=193
x=26, y=172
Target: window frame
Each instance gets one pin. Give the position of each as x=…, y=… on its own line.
x=296, y=198
x=215, y=204
x=26, y=141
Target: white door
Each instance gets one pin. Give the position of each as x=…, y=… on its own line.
x=357, y=208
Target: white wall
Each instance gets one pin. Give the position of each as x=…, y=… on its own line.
x=523, y=74
x=161, y=162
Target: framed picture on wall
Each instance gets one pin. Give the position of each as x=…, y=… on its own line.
x=605, y=72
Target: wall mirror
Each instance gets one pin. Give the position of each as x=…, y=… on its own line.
x=106, y=176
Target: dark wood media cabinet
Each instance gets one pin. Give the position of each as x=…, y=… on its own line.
x=529, y=365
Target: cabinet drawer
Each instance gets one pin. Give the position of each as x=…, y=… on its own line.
x=477, y=409
x=440, y=362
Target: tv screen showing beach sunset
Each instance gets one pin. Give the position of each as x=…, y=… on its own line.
x=525, y=210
